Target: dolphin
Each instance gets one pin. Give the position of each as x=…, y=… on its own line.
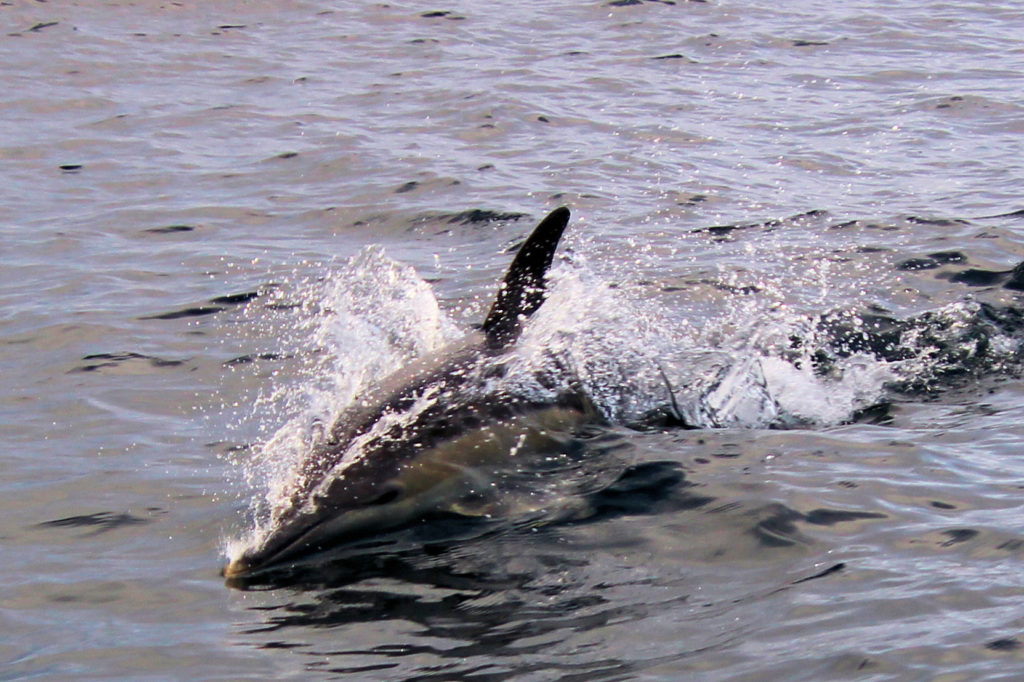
x=423, y=438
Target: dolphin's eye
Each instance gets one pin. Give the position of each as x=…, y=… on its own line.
x=390, y=494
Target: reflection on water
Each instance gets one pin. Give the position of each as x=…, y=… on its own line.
x=480, y=600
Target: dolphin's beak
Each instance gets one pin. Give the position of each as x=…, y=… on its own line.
x=236, y=568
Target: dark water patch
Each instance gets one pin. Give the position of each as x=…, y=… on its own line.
x=779, y=528
x=959, y=535
x=674, y=56
x=745, y=290
x=912, y=264
x=948, y=256
x=442, y=14
x=879, y=414
x=286, y=155
x=477, y=215
x=195, y=311
x=976, y=277
x=1004, y=644
x=1019, y=213
x=765, y=225
x=70, y=167
x=809, y=43
x=1012, y=279
x=249, y=359
x=368, y=669
x=170, y=229
x=236, y=299
x=670, y=3
x=645, y=489
x=218, y=305
x=99, y=361
x=933, y=260
x=831, y=570
x=831, y=517
x=407, y=187
x=938, y=222
x=101, y=522
x=280, y=645
x=35, y=28
x=942, y=505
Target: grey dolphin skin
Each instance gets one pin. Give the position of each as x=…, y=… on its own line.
x=419, y=441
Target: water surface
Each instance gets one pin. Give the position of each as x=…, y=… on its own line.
x=185, y=185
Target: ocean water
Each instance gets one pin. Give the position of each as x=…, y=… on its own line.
x=793, y=227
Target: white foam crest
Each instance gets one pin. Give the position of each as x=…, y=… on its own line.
x=373, y=316
x=589, y=334
x=806, y=398
x=633, y=358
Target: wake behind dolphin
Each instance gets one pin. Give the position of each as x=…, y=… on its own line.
x=418, y=443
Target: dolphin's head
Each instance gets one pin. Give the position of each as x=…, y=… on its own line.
x=458, y=475
x=360, y=503
x=303, y=533
x=368, y=499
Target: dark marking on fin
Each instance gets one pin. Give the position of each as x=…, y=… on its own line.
x=522, y=290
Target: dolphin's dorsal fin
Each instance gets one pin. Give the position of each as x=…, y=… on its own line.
x=522, y=290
